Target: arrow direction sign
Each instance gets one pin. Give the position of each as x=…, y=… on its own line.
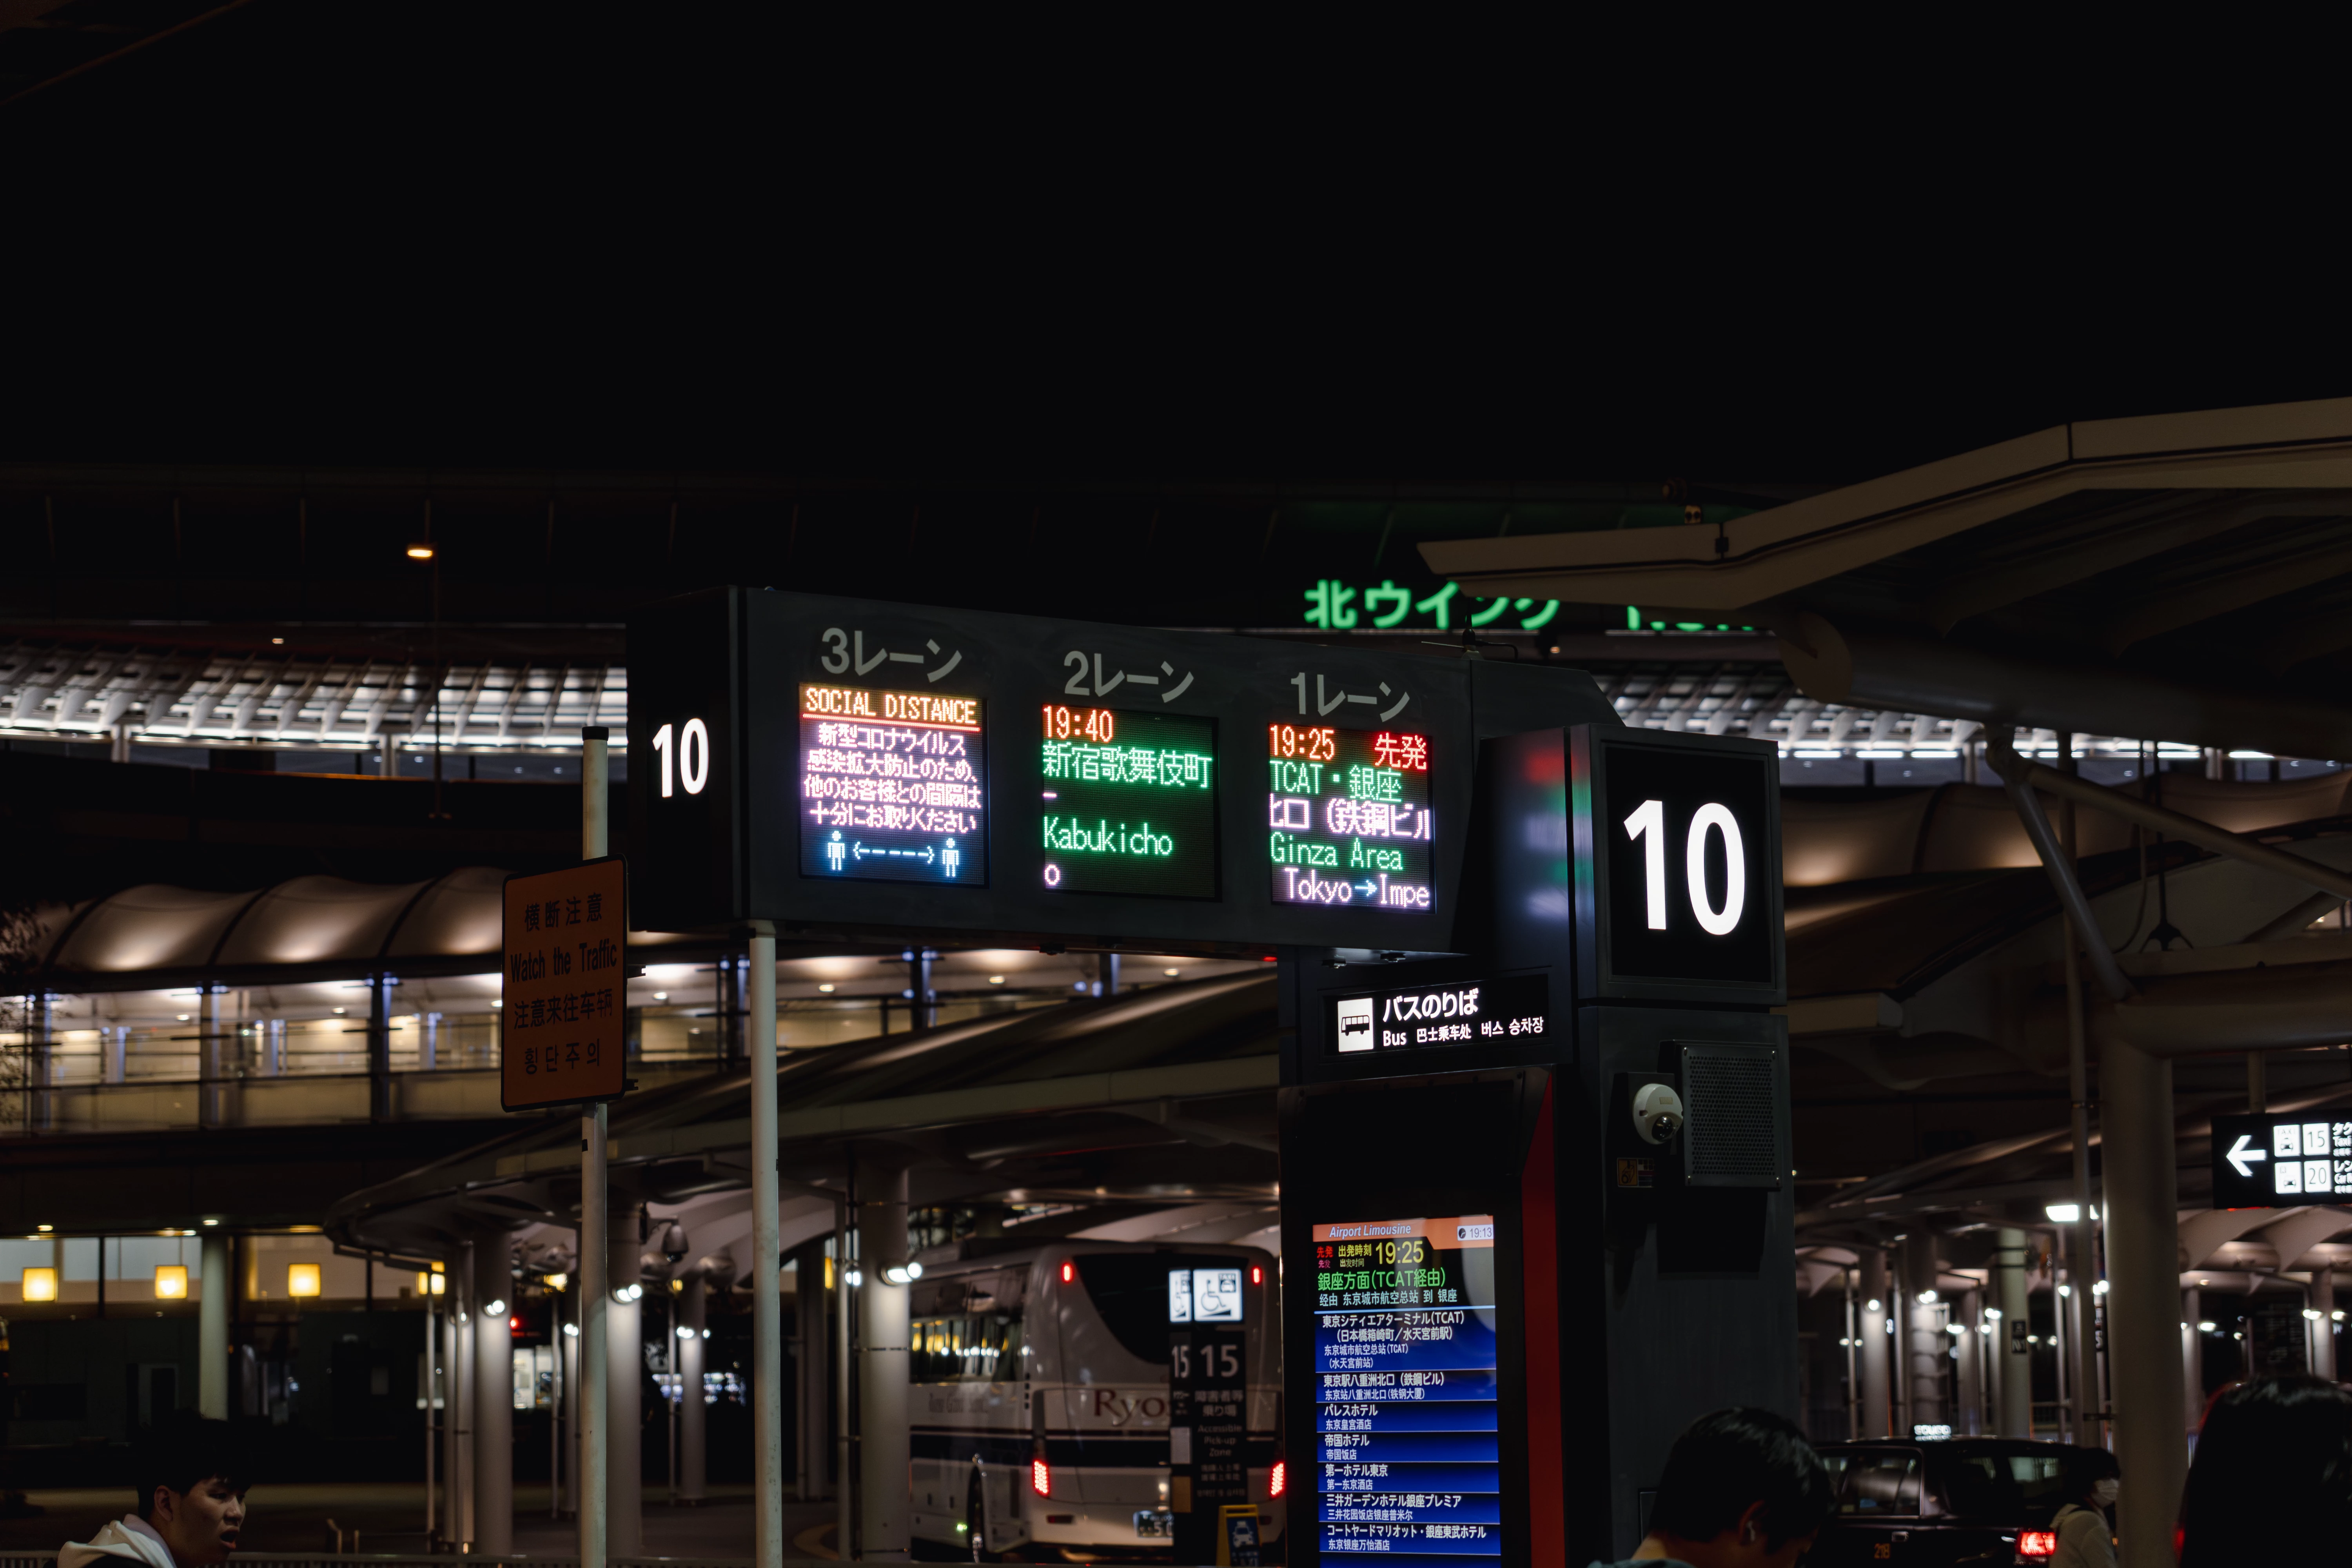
x=2240, y=1155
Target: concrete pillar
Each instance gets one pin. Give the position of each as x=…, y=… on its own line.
x=2192, y=1358
x=625, y=1501
x=1876, y=1356
x=884, y=1437
x=567, y=1349
x=273, y=1054
x=212, y=1328
x=2012, y=1357
x=118, y=1052
x=693, y=1467
x=2320, y=1298
x=378, y=1048
x=1968, y=1369
x=119, y=743
x=493, y=1396
x=212, y=1064
x=814, y=1332
x=1924, y=1344
x=387, y=755
x=2142, y=1221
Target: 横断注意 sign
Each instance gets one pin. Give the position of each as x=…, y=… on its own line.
x=565, y=988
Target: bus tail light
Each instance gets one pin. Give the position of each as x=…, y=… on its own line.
x=1069, y=1272
x=2041, y=1544
x=1279, y=1480
x=1041, y=1477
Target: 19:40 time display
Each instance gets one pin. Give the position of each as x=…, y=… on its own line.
x=1348, y=817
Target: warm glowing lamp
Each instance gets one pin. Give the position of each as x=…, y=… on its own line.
x=420, y=551
x=40, y=1284
x=171, y=1281
x=302, y=1279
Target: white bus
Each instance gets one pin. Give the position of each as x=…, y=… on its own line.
x=1039, y=1388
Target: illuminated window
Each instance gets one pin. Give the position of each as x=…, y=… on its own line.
x=40, y=1284
x=170, y=1282
x=302, y=1279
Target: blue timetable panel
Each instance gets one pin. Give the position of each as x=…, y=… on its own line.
x=1408, y=1460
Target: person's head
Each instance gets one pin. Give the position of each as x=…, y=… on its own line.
x=191, y=1485
x=1745, y=1483
x=2094, y=1478
x=2274, y=1472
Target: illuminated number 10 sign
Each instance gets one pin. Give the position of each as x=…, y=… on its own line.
x=692, y=744
x=1647, y=828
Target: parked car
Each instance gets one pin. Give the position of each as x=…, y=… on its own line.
x=1983, y=1501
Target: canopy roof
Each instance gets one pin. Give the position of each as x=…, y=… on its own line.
x=2184, y=578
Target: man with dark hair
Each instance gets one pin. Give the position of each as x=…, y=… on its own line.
x=190, y=1506
x=1742, y=1489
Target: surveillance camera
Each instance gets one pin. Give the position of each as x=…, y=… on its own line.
x=1657, y=1112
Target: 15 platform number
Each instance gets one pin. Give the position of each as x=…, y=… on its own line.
x=691, y=744
x=1647, y=828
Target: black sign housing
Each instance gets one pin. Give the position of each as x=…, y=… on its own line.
x=737, y=661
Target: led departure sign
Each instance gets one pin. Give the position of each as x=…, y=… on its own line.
x=2284, y=1159
x=1129, y=802
x=1407, y=1427
x=1348, y=817
x=893, y=785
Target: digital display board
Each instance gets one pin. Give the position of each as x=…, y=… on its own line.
x=2282, y=1161
x=1407, y=1424
x=1473, y=1012
x=1129, y=802
x=893, y=785
x=1348, y=817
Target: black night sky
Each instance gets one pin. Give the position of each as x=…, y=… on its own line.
x=434, y=234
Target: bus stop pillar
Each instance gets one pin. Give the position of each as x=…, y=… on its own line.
x=2142, y=1218
x=1874, y=1357
x=212, y=1328
x=887, y=1450
x=493, y=1382
x=624, y=1521
x=2014, y=1375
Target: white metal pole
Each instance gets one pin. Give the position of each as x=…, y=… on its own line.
x=432, y=1407
x=595, y=1433
x=767, y=1260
